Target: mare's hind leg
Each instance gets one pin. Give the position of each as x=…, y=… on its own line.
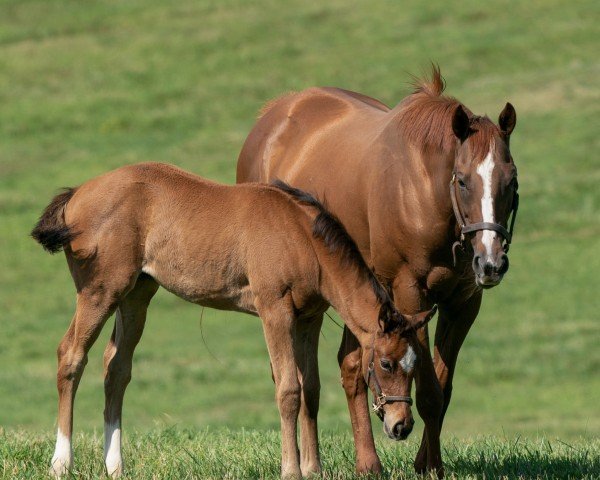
x=94, y=306
x=279, y=328
x=129, y=325
x=307, y=346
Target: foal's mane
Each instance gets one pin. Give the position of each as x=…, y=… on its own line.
x=330, y=230
x=425, y=118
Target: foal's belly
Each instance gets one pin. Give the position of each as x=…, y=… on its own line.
x=201, y=287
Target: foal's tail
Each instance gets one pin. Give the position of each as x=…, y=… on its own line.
x=51, y=231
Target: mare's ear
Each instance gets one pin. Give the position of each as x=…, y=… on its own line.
x=460, y=123
x=507, y=119
x=387, y=320
x=420, y=319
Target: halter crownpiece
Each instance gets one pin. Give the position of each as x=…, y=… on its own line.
x=474, y=227
x=380, y=398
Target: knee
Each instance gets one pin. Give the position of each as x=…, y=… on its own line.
x=117, y=374
x=351, y=372
x=311, y=393
x=430, y=403
x=350, y=362
x=288, y=398
x=70, y=363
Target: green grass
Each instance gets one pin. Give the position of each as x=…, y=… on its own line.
x=89, y=86
x=234, y=454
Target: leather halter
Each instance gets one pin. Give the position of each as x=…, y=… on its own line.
x=380, y=398
x=474, y=227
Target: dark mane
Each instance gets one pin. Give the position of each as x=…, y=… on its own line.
x=425, y=117
x=328, y=228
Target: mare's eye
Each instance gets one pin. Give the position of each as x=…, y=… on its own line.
x=462, y=184
x=386, y=365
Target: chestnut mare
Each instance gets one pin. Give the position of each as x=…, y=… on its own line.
x=426, y=190
x=271, y=251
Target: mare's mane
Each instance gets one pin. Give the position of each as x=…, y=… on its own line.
x=330, y=230
x=425, y=118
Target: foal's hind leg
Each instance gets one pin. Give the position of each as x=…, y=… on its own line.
x=93, y=308
x=279, y=328
x=307, y=346
x=129, y=325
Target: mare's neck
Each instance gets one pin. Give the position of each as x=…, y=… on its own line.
x=415, y=184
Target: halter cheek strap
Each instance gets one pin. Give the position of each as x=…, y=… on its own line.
x=474, y=227
x=380, y=398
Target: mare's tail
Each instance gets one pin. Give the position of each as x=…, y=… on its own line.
x=51, y=231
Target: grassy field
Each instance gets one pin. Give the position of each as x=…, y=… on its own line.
x=240, y=453
x=89, y=86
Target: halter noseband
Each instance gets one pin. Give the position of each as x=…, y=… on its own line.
x=380, y=398
x=474, y=227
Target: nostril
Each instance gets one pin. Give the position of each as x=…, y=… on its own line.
x=398, y=429
x=503, y=267
x=488, y=268
x=477, y=263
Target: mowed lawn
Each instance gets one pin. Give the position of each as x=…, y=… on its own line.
x=88, y=86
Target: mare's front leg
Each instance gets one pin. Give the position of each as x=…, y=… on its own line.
x=307, y=348
x=118, y=356
x=454, y=321
x=349, y=358
x=279, y=326
x=429, y=400
x=410, y=298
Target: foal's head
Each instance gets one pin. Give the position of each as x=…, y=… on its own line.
x=389, y=368
x=485, y=189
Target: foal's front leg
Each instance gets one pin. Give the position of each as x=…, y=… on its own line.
x=279, y=328
x=349, y=358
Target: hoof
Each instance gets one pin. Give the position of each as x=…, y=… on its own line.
x=313, y=469
x=423, y=469
x=372, y=467
x=115, y=470
x=60, y=467
x=291, y=474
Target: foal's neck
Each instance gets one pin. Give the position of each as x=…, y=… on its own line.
x=351, y=293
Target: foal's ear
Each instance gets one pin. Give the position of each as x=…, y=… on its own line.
x=387, y=317
x=420, y=319
x=507, y=119
x=460, y=123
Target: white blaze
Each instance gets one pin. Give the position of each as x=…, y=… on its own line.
x=62, y=460
x=485, y=170
x=112, y=449
x=408, y=360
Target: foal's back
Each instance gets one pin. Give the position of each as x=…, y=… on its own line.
x=211, y=244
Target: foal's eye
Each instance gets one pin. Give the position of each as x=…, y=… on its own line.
x=462, y=184
x=386, y=365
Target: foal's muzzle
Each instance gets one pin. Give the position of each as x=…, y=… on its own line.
x=400, y=430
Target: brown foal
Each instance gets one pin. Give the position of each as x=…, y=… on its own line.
x=271, y=251
x=426, y=190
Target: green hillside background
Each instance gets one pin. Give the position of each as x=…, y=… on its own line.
x=89, y=86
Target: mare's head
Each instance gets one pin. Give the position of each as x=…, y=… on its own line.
x=389, y=367
x=485, y=189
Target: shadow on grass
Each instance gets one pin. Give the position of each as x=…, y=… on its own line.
x=524, y=462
